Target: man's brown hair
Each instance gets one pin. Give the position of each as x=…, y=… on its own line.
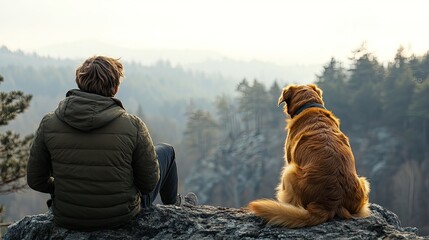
x=100, y=75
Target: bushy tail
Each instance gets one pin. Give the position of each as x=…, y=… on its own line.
x=288, y=215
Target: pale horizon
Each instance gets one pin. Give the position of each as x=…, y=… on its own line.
x=281, y=32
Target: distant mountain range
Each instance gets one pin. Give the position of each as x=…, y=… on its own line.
x=196, y=60
x=83, y=49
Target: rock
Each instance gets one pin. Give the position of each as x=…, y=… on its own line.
x=209, y=222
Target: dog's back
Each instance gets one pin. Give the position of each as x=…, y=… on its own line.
x=320, y=179
x=326, y=174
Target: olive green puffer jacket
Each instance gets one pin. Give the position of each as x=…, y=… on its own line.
x=95, y=159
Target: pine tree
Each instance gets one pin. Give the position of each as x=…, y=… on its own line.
x=13, y=149
x=226, y=111
x=253, y=102
x=398, y=92
x=419, y=108
x=201, y=132
x=363, y=86
x=333, y=82
x=275, y=113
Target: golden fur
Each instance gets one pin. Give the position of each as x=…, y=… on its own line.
x=319, y=180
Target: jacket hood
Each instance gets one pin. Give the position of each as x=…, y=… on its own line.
x=88, y=111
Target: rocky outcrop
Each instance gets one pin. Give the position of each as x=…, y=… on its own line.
x=208, y=222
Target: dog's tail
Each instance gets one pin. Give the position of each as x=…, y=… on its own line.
x=288, y=215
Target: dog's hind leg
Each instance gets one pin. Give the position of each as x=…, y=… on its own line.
x=358, y=198
x=363, y=208
x=285, y=190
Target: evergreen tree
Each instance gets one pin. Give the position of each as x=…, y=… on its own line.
x=420, y=67
x=333, y=82
x=260, y=101
x=419, y=108
x=226, y=111
x=13, y=149
x=275, y=116
x=200, y=132
x=244, y=103
x=397, y=93
x=363, y=90
x=253, y=102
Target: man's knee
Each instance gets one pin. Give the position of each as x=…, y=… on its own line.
x=164, y=145
x=166, y=150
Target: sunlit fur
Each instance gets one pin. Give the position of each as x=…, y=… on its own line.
x=319, y=180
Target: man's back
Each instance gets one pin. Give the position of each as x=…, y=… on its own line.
x=91, y=141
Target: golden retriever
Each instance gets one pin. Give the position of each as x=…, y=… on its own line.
x=319, y=180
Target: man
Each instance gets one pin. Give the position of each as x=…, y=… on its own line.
x=96, y=160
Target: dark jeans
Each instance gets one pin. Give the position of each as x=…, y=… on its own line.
x=168, y=181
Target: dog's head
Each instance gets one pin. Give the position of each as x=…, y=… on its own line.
x=296, y=96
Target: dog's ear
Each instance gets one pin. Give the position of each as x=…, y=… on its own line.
x=286, y=95
x=316, y=89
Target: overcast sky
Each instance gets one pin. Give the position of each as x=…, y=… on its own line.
x=285, y=32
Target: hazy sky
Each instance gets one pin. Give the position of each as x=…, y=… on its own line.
x=299, y=31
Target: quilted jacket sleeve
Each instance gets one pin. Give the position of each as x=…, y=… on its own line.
x=39, y=166
x=145, y=162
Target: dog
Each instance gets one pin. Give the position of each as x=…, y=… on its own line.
x=319, y=180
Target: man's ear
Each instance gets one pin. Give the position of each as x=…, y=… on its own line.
x=316, y=89
x=286, y=94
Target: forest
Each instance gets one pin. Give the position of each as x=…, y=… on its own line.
x=229, y=133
